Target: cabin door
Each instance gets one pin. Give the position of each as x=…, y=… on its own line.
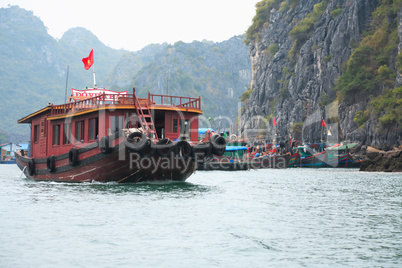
x=43, y=137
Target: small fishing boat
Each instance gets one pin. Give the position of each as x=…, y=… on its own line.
x=335, y=156
x=103, y=135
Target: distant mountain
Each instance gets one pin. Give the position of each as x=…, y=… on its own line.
x=33, y=65
x=130, y=64
x=75, y=44
x=218, y=72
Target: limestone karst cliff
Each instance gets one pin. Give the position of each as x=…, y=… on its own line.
x=332, y=60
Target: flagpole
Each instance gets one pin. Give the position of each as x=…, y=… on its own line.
x=93, y=69
x=321, y=128
x=65, y=93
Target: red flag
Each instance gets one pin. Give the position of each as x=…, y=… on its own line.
x=323, y=123
x=88, y=61
x=274, y=122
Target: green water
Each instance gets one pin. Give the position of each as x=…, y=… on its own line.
x=255, y=218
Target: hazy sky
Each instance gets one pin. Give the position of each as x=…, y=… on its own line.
x=134, y=24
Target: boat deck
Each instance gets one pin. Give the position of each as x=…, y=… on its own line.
x=82, y=105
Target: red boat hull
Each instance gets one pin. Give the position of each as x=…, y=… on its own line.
x=119, y=165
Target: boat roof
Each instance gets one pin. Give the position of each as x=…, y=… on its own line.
x=5, y=144
x=235, y=148
x=202, y=130
x=342, y=147
x=81, y=106
x=28, y=118
x=23, y=146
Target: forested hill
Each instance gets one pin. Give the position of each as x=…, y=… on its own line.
x=33, y=69
x=218, y=72
x=334, y=59
x=33, y=66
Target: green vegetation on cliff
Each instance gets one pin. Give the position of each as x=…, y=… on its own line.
x=388, y=107
x=371, y=71
x=303, y=30
x=246, y=95
x=263, y=10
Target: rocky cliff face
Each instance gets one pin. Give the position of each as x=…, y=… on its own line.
x=295, y=69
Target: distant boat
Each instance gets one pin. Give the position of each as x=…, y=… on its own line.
x=335, y=156
x=11, y=161
x=103, y=135
x=235, y=158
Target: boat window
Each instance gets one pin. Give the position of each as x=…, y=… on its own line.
x=184, y=126
x=36, y=133
x=56, y=134
x=79, y=131
x=93, y=128
x=116, y=123
x=174, y=125
x=131, y=120
x=67, y=134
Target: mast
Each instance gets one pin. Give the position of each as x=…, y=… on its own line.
x=321, y=128
x=65, y=93
x=93, y=69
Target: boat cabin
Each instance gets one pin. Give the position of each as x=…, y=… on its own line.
x=91, y=114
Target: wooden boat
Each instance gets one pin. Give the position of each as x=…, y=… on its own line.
x=102, y=135
x=336, y=156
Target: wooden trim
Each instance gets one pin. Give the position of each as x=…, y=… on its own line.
x=24, y=119
x=118, y=107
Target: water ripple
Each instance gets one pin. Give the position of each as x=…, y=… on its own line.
x=256, y=218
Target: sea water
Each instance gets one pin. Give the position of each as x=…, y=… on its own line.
x=256, y=218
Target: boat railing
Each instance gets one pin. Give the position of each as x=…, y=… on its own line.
x=178, y=101
x=124, y=99
x=75, y=106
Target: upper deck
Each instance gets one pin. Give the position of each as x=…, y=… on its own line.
x=117, y=101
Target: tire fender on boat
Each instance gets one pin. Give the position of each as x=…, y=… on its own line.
x=149, y=149
x=104, y=145
x=73, y=156
x=31, y=167
x=51, y=163
x=233, y=137
x=183, y=148
x=201, y=149
x=218, y=145
x=136, y=141
x=164, y=147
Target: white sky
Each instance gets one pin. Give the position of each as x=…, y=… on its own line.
x=133, y=24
